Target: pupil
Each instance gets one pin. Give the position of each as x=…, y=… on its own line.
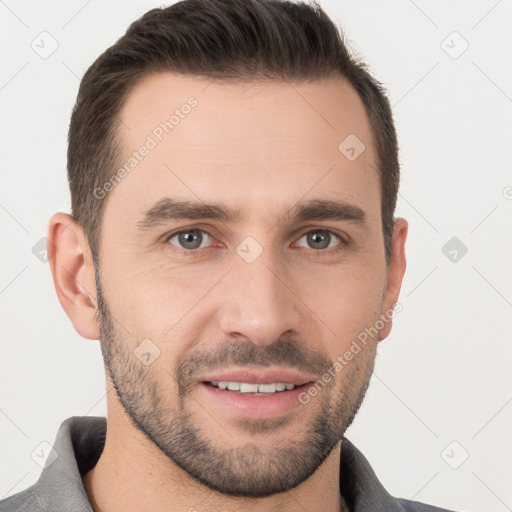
x=319, y=239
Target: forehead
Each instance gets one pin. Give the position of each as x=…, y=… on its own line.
x=286, y=109
x=211, y=139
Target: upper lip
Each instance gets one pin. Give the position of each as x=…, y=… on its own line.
x=261, y=376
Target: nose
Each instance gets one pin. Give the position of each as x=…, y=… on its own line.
x=258, y=301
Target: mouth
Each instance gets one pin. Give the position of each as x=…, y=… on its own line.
x=252, y=389
x=251, y=400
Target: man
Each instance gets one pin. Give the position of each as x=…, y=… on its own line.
x=232, y=244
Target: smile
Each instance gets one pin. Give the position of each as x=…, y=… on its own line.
x=253, y=389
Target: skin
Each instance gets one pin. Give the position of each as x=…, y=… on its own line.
x=259, y=148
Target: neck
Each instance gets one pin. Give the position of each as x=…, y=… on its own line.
x=132, y=474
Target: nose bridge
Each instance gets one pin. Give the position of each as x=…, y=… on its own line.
x=257, y=301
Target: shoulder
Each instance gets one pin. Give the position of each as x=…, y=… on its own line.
x=29, y=500
x=77, y=447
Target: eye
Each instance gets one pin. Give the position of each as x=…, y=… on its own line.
x=190, y=239
x=320, y=239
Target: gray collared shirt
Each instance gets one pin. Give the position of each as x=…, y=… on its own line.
x=79, y=444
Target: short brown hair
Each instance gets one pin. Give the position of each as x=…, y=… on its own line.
x=227, y=40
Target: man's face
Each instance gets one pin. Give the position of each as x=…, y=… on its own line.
x=264, y=296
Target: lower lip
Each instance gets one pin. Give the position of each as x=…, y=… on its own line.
x=254, y=407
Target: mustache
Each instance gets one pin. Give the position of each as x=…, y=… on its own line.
x=285, y=352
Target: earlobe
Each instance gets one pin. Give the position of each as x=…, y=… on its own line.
x=396, y=271
x=73, y=273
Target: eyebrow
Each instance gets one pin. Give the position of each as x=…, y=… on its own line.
x=168, y=209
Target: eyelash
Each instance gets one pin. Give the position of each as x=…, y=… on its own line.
x=194, y=252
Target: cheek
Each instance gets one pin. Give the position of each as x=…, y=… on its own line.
x=156, y=302
x=345, y=300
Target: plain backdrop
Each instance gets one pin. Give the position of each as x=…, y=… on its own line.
x=437, y=418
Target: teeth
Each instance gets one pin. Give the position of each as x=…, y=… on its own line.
x=248, y=388
x=267, y=388
x=245, y=387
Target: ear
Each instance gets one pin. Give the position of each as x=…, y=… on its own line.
x=396, y=271
x=73, y=273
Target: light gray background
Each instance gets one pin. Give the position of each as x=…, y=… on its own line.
x=443, y=375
